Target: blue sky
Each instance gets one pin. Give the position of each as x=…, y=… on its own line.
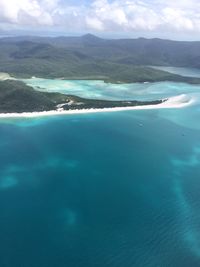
x=174, y=19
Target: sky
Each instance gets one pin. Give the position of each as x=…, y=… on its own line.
x=172, y=19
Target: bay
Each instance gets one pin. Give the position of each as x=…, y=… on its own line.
x=103, y=189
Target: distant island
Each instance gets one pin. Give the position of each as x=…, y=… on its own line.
x=90, y=57
x=16, y=97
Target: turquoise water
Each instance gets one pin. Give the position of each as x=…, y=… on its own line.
x=105, y=189
x=188, y=72
x=101, y=90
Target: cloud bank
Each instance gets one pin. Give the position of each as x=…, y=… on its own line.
x=103, y=15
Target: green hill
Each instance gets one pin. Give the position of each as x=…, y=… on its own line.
x=90, y=57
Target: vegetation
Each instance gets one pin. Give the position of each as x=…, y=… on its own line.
x=90, y=57
x=15, y=97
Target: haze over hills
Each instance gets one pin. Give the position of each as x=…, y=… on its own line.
x=124, y=60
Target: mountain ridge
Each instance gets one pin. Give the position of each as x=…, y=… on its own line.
x=124, y=60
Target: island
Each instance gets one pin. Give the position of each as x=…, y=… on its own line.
x=92, y=58
x=17, y=97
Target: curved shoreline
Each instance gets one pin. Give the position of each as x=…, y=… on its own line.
x=179, y=101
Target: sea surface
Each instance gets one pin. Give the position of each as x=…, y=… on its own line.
x=117, y=189
x=187, y=72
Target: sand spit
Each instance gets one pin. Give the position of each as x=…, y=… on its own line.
x=173, y=102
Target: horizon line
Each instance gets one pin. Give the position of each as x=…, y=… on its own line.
x=79, y=35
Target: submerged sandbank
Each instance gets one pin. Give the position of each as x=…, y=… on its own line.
x=173, y=102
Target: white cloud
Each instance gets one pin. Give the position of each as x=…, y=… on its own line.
x=25, y=12
x=104, y=15
x=177, y=19
x=94, y=23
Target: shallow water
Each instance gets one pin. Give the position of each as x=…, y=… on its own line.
x=187, y=72
x=101, y=90
x=105, y=189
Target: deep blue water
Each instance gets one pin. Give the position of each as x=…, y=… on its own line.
x=101, y=190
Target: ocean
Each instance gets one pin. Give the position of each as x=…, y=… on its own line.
x=109, y=189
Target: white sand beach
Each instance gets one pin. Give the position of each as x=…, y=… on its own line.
x=5, y=76
x=173, y=102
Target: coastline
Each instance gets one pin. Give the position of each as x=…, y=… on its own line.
x=179, y=101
